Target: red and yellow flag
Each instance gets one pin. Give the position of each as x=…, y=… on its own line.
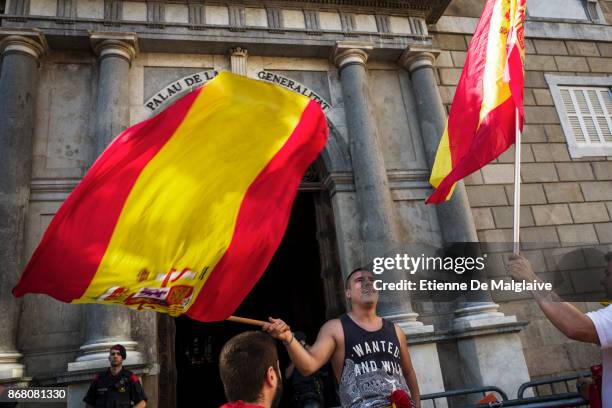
x=183, y=212
x=482, y=120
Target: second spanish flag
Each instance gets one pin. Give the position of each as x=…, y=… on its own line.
x=183, y=212
x=482, y=120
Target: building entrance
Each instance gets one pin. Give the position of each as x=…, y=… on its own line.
x=292, y=288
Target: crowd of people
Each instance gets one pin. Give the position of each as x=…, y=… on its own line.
x=366, y=354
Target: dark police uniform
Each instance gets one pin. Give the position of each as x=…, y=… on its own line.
x=115, y=391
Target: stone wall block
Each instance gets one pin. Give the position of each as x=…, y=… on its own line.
x=550, y=152
x=450, y=42
x=550, y=47
x=508, y=155
x=530, y=194
x=486, y=196
x=539, y=237
x=597, y=190
x=498, y=173
x=577, y=234
x=582, y=48
x=541, y=114
x=483, y=218
x=589, y=212
x=574, y=171
x=605, y=49
x=533, y=134
x=474, y=179
x=551, y=214
x=563, y=192
x=444, y=60
x=458, y=58
x=543, y=97
x=449, y=76
x=535, y=79
x=554, y=134
x=540, y=63
x=604, y=232
x=603, y=170
x=538, y=172
x=572, y=64
x=603, y=65
x=504, y=217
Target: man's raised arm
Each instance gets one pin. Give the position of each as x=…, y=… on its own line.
x=563, y=315
x=306, y=361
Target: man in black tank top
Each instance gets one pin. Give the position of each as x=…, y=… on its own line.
x=369, y=354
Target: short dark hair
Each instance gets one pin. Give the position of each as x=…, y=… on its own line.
x=120, y=349
x=243, y=363
x=361, y=268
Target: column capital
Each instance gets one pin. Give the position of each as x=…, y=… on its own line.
x=414, y=58
x=26, y=41
x=123, y=45
x=239, y=52
x=238, y=60
x=351, y=52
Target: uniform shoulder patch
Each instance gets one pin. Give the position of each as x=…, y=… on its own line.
x=96, y=378
x=134, y=378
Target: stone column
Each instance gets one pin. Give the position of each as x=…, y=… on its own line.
x=378, y=227
x=20, y=51
x=238, y=60
x=455, y=215
x=108, y=325
x=486, y=336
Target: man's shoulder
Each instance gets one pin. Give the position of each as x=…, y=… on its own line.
x=130, y=375
x=605, y=312
x=99, y=375
x=332, y=324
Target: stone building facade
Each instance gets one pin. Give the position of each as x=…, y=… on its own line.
x=75, y=73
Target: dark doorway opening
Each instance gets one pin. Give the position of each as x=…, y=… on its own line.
x=291, y=288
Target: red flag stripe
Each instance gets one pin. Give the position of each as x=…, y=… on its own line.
x=102, y=193
x=464, y=116
x=494, y=136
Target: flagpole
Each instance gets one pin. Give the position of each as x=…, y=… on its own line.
x=517, y=185
x=244, y=320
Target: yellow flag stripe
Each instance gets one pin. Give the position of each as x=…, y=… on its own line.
x=212, y=153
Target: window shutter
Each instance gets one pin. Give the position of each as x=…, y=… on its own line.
x=589, y=111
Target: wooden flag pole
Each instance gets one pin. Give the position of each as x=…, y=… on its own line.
x=517, y=186
x=244, y=320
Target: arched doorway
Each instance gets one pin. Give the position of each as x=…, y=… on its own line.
x=302, y=285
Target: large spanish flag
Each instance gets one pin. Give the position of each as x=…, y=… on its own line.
x=183, y=212
x=482, y=120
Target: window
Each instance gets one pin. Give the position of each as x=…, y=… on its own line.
x=584, y=106
x=575, y=10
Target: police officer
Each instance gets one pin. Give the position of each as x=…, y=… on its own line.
x=116, y=387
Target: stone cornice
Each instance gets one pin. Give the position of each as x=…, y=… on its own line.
x=432, y=10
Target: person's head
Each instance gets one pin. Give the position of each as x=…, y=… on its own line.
x=250, y=370
x=606, y=281
x=117, y=355
x=359, y=288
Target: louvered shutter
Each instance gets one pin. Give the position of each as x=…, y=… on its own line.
x=589, y=111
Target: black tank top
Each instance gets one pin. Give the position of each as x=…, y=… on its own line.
x=372, y=367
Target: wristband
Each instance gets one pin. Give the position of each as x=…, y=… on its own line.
x=287, y=343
